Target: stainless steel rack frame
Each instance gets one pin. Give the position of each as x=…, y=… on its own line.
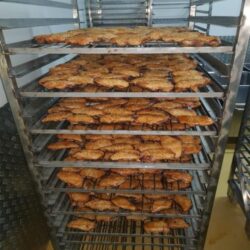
x=29, y=103
x=239, y=180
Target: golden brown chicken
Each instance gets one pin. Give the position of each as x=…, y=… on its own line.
x=62, y=145
x=70, y=137
x=78, y=197
x=184, y=202
x=98, y=144
x=126, y=155
x=101, y=205
x=196, y=120
x=157, y=226
x=88, y=154
x=92, y=173
x=123, y=203
x=73, y=179
x=176, y=223
x=159, y=205
x=82, y=224
x=112, y=180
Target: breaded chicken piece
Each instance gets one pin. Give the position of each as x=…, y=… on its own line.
x=73, y=179
x=123, y=203
x=70, y=137
x=82, y=224
x=151, y=119
x=56, y=117
x=181, y=112
x=116, y=118
x=175, y=175
x=112, y=180
x=87, y=111
x=112, y=82
x=117, y=147
x=154, y=155
x=78, y=197
x=78, y=118
x=125, y=171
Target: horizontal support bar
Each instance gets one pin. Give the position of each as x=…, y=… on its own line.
x=96, y=164
x=22, y=69
x=201, y=2
x=227, y=21
x=12, y=23
x=200, y=28
x=47, y=3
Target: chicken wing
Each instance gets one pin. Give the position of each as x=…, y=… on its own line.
x=87, y=111
x=191, y=148
x=112, y=82
x=130, y=184
x=177, y=223
x=173, y=144
x=157, y=226
x=152, y=184
x=159, y=205
x=181, y=112
x=105, y=218
x=82, y=224
x=55, y=117
x=184, y=202
x=70, y=178
x=123, y=203
x=175, y=175
x=92, y=173
x=101, y=205
x=112, y=180
x=88, y=154
x=136, y=217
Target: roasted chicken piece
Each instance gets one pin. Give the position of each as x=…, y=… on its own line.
x=62, y=145
x=176, y=223
x=148, y=146
x=118, y=111
x=125, y=171
x=88, y=154
x=157, y=226
x=112, y=180
x=126, y=155
x=154, y=155
x=200, y=120
x=111, y=82
x=117, y=147
x=101, y=205
x=130, y=183
x=131, y=141
x=192, y=84
x=98, y=144
x=184, y=202
x=189, y=139
x=56, y=117
x=70, y=178
x=92, y=173
x=116, y=118
x=123, y=203
x=151, y=119
x=173, y=144
x=78, y=197
x=131, y=196
x=167, y=105
x=152, y=184
x=87, y=111
x=70, y=137
x=78, y=118
x=136, y=217
x=175, y=175
x=105, y=218
x=150, y=172
x=82, y=213
x=82, y=224
x=191, y=148
x=159, y=205
x=181, y=112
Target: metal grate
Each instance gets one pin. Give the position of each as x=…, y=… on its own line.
x=21, y=221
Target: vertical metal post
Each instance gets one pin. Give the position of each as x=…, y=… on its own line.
x=192, y=12
x=237, y=66
x=11, y=91
x=149, y=12
x=75, y=10
x=88, y=7
x=210, y=9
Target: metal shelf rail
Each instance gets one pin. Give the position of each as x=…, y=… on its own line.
x=29, y=103
x=239, y=180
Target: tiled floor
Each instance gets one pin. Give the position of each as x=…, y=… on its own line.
x=226, y=230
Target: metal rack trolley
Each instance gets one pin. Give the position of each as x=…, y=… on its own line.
x=29, y=103
x=239, y=180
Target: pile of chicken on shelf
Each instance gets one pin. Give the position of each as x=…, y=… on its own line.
x=130, y=73
x=133, y=36
x=111, y=114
